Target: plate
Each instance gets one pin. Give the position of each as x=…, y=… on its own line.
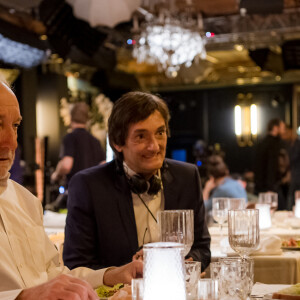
x=291, y=248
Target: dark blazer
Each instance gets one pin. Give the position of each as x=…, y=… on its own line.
x=267, y=176
x=100, y=226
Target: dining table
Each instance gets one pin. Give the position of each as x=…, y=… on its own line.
x=282, y=268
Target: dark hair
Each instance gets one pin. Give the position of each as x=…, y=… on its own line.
x=80, y=113
x=216, y=167
x=132, y=108
x=274, y=122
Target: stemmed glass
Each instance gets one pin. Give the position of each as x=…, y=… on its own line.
x=243, y=231
x=220, y=208
x=270, y=198
x=237, y=203
x=177, y=226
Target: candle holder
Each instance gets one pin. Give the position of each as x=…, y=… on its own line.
x=264, y=215
x=164, y=274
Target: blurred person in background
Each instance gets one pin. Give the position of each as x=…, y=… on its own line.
x=79, y=150
x=293, y=144
x=270, y=161
x=220, y=184
x=29, y=261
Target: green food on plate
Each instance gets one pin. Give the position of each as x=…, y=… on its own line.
x=105, y=291
x=292, y=290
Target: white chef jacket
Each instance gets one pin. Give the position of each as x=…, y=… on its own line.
x=27, y=256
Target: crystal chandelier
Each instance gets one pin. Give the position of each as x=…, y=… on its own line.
x=169, y=42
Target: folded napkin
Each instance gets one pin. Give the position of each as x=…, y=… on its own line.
x=53, y=219
x=261, y=289
x=269, y=245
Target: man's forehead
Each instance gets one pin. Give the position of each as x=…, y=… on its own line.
x=7, y=97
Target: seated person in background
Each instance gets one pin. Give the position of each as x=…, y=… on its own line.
x=29, y=267
x=112, y=207
x=220, y=184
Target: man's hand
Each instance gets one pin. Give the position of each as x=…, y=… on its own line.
x=64, y=287
x=123, y=274
x=138, y=256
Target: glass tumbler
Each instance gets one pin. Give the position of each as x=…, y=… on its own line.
x=208, y=289
x=192, y=275
x=137, y=288
x=236, y=278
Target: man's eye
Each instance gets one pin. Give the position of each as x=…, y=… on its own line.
x=16, y=125
x=140, y=136
x=161, y=132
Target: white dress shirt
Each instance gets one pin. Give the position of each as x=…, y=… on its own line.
x=27, y=256
x=147, y=228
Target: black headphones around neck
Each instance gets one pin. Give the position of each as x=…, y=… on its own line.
x=139, y=185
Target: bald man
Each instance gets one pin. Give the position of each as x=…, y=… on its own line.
x=29, y=267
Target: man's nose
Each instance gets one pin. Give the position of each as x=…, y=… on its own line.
x=8, y=139
x=153, y=144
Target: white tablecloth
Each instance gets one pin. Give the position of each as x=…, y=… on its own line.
x=269, y=269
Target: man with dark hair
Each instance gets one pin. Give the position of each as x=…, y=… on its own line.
x=79, y=150
x=112, y=208
x=29, y=262
x=267, y=174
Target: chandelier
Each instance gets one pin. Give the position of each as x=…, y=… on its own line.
x=169, y=42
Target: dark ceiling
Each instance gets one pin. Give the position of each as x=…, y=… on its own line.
x=268, y=31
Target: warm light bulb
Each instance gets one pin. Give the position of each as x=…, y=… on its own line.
x=238, y=120
x=253, y=114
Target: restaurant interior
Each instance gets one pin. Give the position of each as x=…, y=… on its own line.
x=209, y=60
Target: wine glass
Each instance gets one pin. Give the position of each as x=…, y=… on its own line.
x=177, y=226
x=243, y=231
x=237, y=203
x=270, y=198
x=220, y=208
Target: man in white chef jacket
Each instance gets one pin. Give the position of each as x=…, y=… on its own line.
x=29, y=265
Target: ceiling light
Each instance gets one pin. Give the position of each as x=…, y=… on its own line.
x=23, y=55
x=169, y=43
x=239, y=47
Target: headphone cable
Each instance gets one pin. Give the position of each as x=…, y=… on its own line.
x=147, y=208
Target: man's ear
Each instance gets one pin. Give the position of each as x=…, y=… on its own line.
x=118, y=148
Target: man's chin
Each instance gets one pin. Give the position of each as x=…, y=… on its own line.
x=3, y=175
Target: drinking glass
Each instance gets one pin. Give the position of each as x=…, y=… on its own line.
x=215, y=270
x=237, y=203
x=220, y=208
x=297, y=204
x=192, y=275
x=270, y=198
x=137, y=288
x=208, y=289
x=177, y=226
x=243, y=231
x=236, y=278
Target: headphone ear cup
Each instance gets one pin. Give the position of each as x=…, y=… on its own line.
x=155, y=185
x=138, y=185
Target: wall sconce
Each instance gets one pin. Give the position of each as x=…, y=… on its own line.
x=245, y=116
x=164, y=271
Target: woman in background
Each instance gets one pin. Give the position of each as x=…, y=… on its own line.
x=220, y=184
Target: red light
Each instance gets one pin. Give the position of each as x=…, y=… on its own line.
x=133, y=42
x=212, y=34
